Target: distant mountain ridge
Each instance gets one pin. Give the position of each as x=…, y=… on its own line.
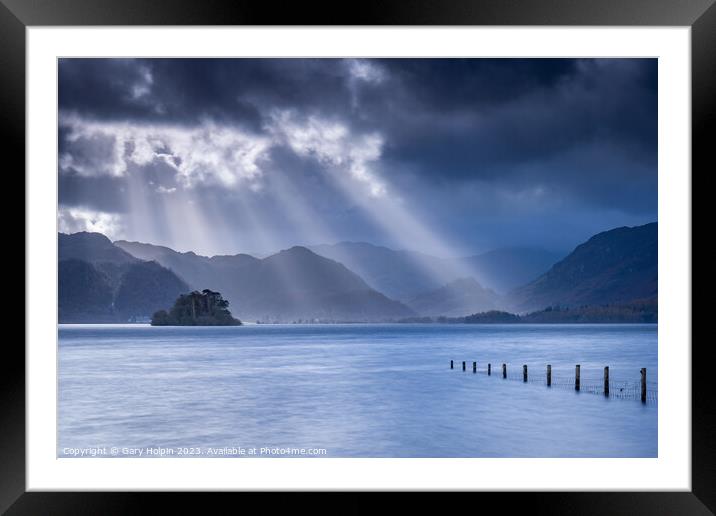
x=193, y=268
x=398, y=274
x=614, y=266
x=405, y=274
x=292, y=284
x=507, y=268
x=101, y=281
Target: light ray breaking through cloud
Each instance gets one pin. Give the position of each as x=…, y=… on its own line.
x=444, y=156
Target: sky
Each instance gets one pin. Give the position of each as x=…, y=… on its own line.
x=448, y=157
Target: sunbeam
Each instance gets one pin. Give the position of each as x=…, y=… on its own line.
x=348, y=161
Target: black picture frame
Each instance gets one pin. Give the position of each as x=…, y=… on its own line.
x=17, y=15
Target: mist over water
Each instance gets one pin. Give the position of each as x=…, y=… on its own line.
x=356, y=390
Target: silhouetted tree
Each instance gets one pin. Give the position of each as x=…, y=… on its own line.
x=205, y=308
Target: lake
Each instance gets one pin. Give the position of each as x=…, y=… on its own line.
x=364, y=390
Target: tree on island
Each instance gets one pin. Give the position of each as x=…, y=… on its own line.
x=205, y=308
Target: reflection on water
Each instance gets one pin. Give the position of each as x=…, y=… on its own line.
x=355, y=390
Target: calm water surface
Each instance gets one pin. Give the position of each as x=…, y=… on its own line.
x=355, y=390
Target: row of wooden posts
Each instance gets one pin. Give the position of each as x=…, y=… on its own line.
x=549, y=376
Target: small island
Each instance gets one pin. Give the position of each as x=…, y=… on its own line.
x=205, y=308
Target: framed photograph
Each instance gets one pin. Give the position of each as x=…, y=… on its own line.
x=411, y=249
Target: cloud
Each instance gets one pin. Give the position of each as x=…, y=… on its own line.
x=334, y=145
x=74, y=219
x=94, y=153
x=583, y=103
x=143, y=85
x=212, y=154
x=164, y=190
x=365, y=70
x=203, y=154
x=456, y=140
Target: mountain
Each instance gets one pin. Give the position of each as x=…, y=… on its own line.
x=507, y=268
x=195, y=269
x=356, y=281
x=397, y=274
x=297, y=283
x=293, y=284
x=457, y=298
x=92, y=248
x=100, y=282
x=84, y=293
x=145, y=288
x=615, y=266
x=405, y=274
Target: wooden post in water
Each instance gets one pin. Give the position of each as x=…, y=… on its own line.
x=451, y=366
x=549, y=375
x=474, y=367
x=524, y=373
x=606, y=381
x=643, y=384
x=463, y=365
x=504, y=370
x=489, y=369
x=576, y=378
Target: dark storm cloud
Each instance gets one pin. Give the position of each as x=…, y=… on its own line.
x=564, y=116
x=459, y=84
x=102, y=88
x=450, y=119
x=582, y=133
x=189, y=90
x=242, y=89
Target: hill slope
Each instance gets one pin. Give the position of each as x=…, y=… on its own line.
x=619, y=265
x=99, y=282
